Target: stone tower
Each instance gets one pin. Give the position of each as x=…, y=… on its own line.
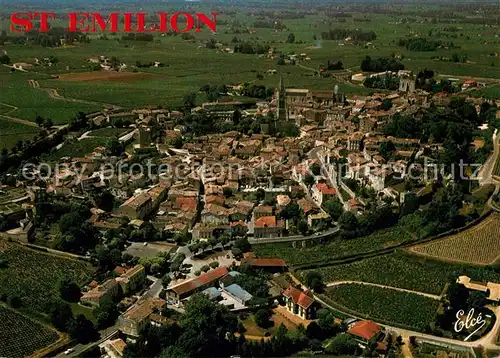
x=281, y=112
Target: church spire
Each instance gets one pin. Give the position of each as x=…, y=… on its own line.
x=281, y=108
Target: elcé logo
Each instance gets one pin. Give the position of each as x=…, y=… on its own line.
x=115, y=22
x=470, y=321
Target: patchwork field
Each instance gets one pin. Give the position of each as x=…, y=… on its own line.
x=32, y=276
x=404, y=271
x=190, y=64
x=11, y=132
x=106, y=76
x=30, y=102
x=22, y=336
x=478, y=245
x=385, y=304
x=333, y=249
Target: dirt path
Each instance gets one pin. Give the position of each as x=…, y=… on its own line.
x=19, y=120
x=8, y=105
x=339, y=283
x=52, y=92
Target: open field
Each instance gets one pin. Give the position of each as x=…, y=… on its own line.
x=255, y=331
x=404, y=271
x=385, y=304
x=22, y=336
x=479, y=245
x=31, y=102
x=79, y=148
x=108, y=132
x=11, y=132
x=32, y=275
x=106, y=76
x=189, y=64
x=333, y=249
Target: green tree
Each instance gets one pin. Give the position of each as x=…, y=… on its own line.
x=314, y=281
x=343, y=344
x=477, y=300
x=68, y=289
x=309, y=180
x=262, y=318
x=206, y=326
x=348, y=221
x=291, y=38
x=82, y=330
x=39, y=120
x=60, y=315
x=4, y=59
x=334, y=208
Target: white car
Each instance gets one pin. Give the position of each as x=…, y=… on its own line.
x=69, y=351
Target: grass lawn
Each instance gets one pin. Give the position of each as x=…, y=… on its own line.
x=404, y=271
x=108, y=132
x=11, y=132
x=253, y=330
x=33, y=275
x=385, y=304
x=78, y=148
x=86, y=311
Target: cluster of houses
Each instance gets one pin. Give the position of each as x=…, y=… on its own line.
x=129, y=281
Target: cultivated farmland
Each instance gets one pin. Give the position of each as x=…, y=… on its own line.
x=11, y=132
x=478, y=245
x=385, y=304
x=22, y=336
x=335, y=248
x=32, y=275
x=27, y=102
x=405, y=271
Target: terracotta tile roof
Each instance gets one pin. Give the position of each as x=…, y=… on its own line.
x=298, y=297
x=365, y=329
x=185, y=203
x=204, y=279
x=143, y=309
x=252, y=261
x=266, y=221
x=120, y=270
x=325, y=189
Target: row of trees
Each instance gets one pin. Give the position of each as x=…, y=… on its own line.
x=381, y=64
x=355, y=35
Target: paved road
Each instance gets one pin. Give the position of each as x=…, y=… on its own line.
x=486, y=172
x=339, y=283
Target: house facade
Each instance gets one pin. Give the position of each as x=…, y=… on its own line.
x=299, y=303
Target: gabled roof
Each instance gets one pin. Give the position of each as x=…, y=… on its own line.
x=298, y=297
x=365, y=329
x=204, y=279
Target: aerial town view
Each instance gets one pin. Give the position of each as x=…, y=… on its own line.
x=250, y=178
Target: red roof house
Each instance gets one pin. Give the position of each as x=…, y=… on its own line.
x=201, y=282
x=298, y=302
x=365, y=330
